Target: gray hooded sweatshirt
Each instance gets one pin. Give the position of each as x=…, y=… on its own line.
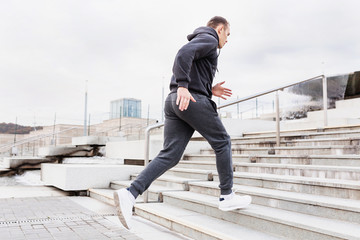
x=196, y=62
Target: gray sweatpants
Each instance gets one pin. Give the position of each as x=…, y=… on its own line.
x=179, y=126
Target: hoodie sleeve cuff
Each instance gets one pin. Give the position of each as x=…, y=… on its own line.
x=184, y=84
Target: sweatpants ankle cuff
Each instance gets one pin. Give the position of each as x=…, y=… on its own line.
x=133, y=191
x=225, y=191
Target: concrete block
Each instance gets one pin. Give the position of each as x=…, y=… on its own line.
x=24, y=162
x=93, y=160
x=345, y=113
x=348, y=104
x=78, y=177
x=93, y=140
x=333, y=114
x=64, y=150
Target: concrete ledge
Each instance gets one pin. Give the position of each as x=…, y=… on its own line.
x=93, y=160
x=24, y=162
x=93, y=140
x=73, y=151
x=5, y=171
x=79, y=177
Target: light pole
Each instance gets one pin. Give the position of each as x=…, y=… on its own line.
x=15, y=130
x=162, y=102
x=85, y=114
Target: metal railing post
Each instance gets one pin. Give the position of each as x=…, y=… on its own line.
x=325, y=101
x=147, y=150
x=277, y=107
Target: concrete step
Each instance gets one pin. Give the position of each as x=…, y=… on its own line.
x=329, y=160
x=287, y=224
x=239, y=143
x=263, y=151
x=340, y=141
x=191, y=173
x=302, y=150
x=317, y=171
x=141, y=228
x=106, y=195
x=317, y=186
x=314, y=171
x=206, y=165
x=196, y=225
x=322, y=206
x=353, y=131
x=298, y=142
x=270, y=140
x=317, y=150
x=102, y=194
x=154, y=191
x=173, y=182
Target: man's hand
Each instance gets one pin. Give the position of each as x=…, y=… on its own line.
x=183, y=98
x=220, y=91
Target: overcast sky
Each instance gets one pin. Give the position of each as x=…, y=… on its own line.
x=49, y=48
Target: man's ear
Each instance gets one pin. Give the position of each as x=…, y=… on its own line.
x=220, y=28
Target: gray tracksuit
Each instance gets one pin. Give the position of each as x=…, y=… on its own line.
x=194, y=68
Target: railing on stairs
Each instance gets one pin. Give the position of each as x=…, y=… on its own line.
x=147, y=150
x=277, y=105
x=254, y=96
x=27, y=141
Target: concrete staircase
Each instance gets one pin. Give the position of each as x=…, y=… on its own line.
x=308, y=188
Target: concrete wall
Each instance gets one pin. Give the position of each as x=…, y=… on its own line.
x=236, y=127
x=346, y=113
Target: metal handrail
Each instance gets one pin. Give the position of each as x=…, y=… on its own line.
x=147, y=143
x=267, y=92
x=276, y=90
x=324, y=81
x=34, y=138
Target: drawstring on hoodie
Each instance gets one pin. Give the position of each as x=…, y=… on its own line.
x=217, y=69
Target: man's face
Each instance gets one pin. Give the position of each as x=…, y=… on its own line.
x=223, y=33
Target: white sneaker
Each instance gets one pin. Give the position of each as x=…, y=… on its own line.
x=233, y=201
x=124, y=202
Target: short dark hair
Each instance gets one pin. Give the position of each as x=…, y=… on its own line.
x=216, y=21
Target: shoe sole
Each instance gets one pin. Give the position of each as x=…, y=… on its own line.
x=118, y=209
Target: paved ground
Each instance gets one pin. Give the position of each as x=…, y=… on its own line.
x=55, y=218
x=24, y=215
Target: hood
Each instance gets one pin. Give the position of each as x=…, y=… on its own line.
x=201, y=30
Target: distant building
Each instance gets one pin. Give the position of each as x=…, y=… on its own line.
x=125, y=107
